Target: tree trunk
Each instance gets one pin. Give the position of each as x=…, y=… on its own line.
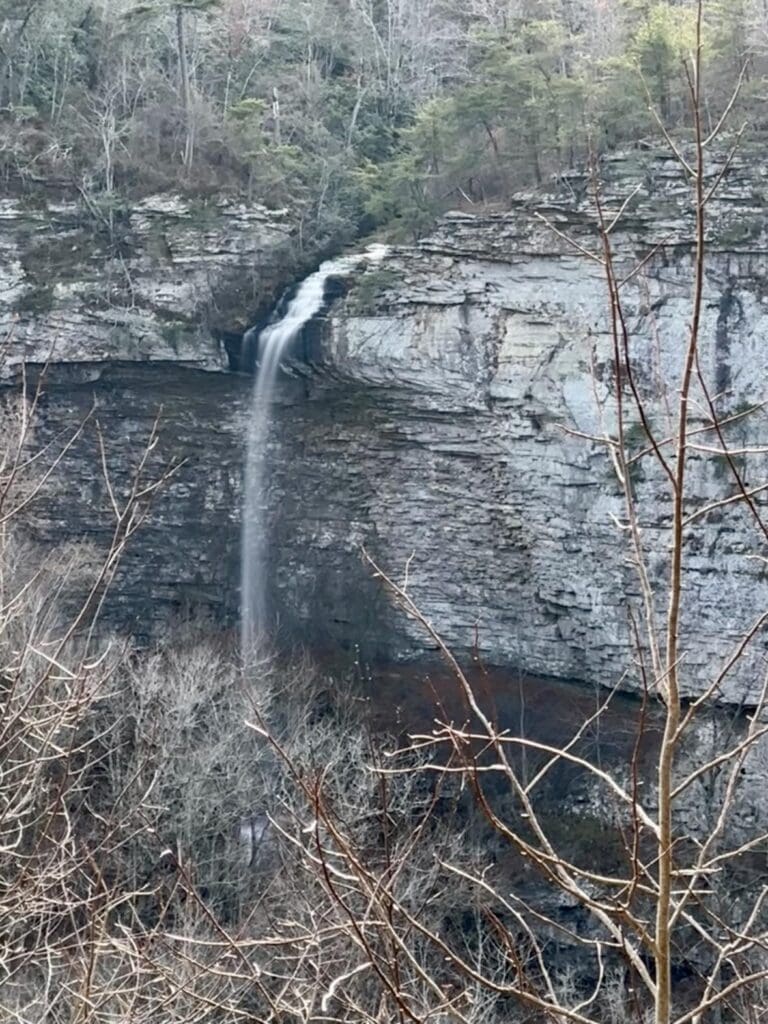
x=189, y=142
x=6, y=57
x=276, y=132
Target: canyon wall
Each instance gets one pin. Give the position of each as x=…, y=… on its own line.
x=444, y=414
x=487, y=359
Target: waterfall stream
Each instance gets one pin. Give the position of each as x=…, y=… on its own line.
x=273, y=345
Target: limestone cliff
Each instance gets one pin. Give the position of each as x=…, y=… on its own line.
x=486, y=362
x=166, y=279
x=131, y=314
x=440, y=414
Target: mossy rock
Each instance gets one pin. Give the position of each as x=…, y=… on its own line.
x=368, y=289
x=59, y=258
x=739, y=232
x=175, y=333
x=37, y=300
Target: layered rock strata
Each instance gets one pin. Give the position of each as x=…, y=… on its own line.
x=443, y=415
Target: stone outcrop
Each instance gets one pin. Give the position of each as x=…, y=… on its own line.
x=486, y=361
x=133, y=314
x=166, y=279
x=443, y=414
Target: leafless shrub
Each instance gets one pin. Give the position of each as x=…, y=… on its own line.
x=684, y=897
x=159, y=862
x=180, y=843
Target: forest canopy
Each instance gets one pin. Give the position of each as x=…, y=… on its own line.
x=355, y=113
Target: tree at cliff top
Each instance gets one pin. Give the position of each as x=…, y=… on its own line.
x=545, y=84
x=181, y=9
x=350, y=112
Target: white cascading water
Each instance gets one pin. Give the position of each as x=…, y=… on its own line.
x=273, y=343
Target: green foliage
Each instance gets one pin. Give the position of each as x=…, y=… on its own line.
x=369, y=288
x=664, y=37
x=247, y=111
x=619, y=107
x=21, y=113
x=399, y=191
x=159, y=6
x=347, y=115
x=517, y=117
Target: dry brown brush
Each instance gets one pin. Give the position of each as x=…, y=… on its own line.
x=672, y=926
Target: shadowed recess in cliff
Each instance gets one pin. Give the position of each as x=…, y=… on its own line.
x=272, y=346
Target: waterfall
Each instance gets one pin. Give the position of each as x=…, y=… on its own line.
x=272, y=346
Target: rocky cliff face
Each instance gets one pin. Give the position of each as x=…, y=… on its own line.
x=443, y=415
x=134, y=316
x=486, y=363
x=164, y=280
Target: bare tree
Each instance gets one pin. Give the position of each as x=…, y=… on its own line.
x=156, y=865
x=673, y=898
